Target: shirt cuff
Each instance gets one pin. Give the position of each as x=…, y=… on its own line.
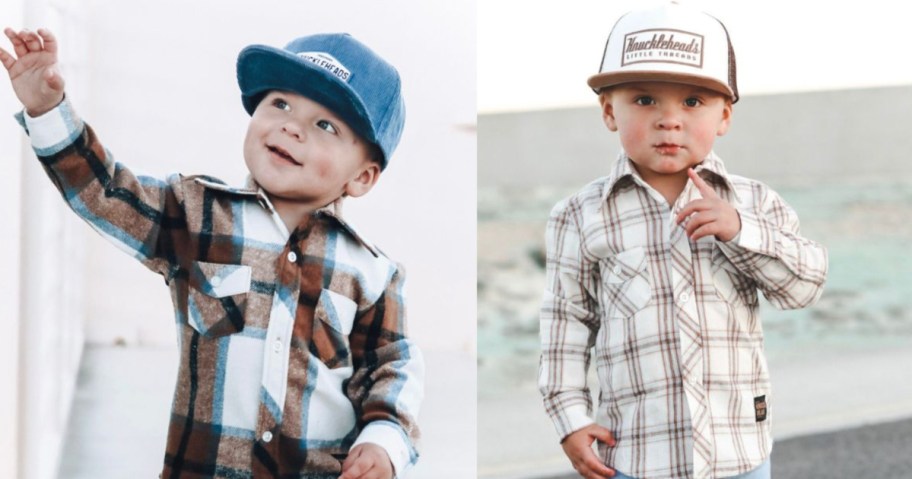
x=393, y=440
x=53, y=131
x=572, y=419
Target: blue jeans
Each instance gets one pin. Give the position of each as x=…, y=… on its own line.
x=761, y=472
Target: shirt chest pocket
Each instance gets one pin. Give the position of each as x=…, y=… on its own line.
x=625, y=283
x=217, y=298
x=731, y=285
x=334, y=317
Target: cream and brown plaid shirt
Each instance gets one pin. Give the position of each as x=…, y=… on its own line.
x=678, y=343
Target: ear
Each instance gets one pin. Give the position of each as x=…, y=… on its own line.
x=607, y=110
x=726, y=118
x=365, y=180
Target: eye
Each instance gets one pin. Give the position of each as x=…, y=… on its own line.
x=326, y=125
x=281, y=104
x=644, y=100
x=692, y=102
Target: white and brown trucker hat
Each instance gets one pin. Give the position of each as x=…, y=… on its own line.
x=672, y=43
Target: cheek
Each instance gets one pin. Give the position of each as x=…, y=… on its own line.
x=631, y=134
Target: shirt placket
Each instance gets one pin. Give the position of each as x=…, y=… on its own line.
x=278, y=342
x=690, y=331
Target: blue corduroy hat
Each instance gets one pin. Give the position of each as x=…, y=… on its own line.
x=337, y=71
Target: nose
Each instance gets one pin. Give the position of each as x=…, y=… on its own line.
x=294, y=130
x=669, y=118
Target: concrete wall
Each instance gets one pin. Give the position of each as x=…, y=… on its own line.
x=10, y=245
x=43, y=251
x=846, y=132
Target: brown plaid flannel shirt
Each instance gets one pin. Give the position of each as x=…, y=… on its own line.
x=292, y=345
x=683, y=379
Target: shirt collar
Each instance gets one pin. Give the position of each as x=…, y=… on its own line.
x=254, y=191
x=623, y=169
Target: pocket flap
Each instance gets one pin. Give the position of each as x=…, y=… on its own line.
x=337, y=311
x=626, y=265
x=221, y=280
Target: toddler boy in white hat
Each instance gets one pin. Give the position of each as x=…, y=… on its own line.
x=291, y=326
x=657, y=266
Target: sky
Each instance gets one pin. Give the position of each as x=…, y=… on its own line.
x=538, y=54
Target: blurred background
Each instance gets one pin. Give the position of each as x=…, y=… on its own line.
x=822, y=119
x=88, y=355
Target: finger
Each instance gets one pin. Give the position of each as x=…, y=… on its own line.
x=18, y=45
x=7, y=59
x=590, y=461
x=699, y=220
x=705, y=190
x=352, y=458
x=589, y=470
x=604, y=435
x=705, y=230
x=356, y=470
x=693, y=207
x=50, y=41
x=32, y=41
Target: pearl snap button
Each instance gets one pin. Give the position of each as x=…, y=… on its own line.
x=267, y=436
x=292, y=257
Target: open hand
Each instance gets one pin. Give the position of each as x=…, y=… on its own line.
x=578, y=447
x=709, y=215
x=33, y=71
x=367, y=461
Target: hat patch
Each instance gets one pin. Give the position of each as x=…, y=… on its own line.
x=663, y=46
x=327, y=61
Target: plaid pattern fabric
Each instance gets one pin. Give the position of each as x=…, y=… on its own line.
x=293, y=345
x=677, y=342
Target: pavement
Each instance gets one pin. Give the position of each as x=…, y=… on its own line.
x=879, y=451
x=119, y=417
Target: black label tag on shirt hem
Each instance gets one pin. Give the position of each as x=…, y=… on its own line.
x=760, y=408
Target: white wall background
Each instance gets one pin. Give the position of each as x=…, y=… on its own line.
x=156, y=79
x=163, y=98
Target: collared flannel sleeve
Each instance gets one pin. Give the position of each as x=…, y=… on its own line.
x=790, y=270
x=128, y=210
x=386, y=387
x=569, y=323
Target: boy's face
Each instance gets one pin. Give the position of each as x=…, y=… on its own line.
x=299, y=151
x=665, y=128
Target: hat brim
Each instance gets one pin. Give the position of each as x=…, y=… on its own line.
x=261, y=68
x=602, y=80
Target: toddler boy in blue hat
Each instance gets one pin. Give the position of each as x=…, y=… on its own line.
x=291, y=326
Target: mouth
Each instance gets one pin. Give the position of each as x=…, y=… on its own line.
x=282, y=154
x=667, y=148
